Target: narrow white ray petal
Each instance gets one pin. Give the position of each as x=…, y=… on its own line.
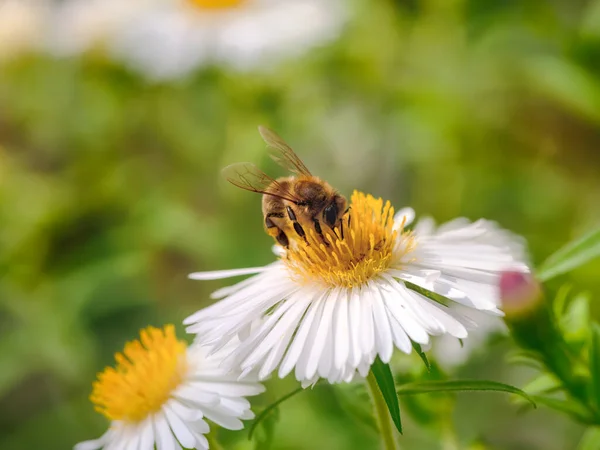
x=342, y=340
x=401, y=339
x=220, y=274
x=367, y=334
x=146, y=434
x=187, y=393
x=325, y=363
x=396, y=305
x=276, y=354
x=383, y=333
x=232, y=389
x=95, y=443
x=247, y=415
x=255, y=348
x=320, y=339
x=298, y=343
x=201, y=442
x=451, y=324
x=179, y=428
x=287, y=322
x=404, y=217
x=424, y=227
x=164, y=437
x=354, y=313
x=186, y=413
x=234, y=406
x=260, y=277
x=199, y=426
x=304, y=358
x=364, y=368
x=223, y=420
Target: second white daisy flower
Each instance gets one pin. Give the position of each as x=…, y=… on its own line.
x=326, y=311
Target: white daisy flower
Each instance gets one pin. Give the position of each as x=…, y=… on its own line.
x=161, y=392
x=328, y=310
x=21, y=26
x=80, y=26
x=170, y=38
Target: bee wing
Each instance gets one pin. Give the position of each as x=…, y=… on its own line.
x=247, y=176
x=282, y=153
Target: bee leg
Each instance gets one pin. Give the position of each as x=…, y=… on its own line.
x=319, y=231
x=282, y=239
x=274, y=231
x=297, y=227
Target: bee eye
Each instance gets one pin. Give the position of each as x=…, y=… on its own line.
x=330, y=214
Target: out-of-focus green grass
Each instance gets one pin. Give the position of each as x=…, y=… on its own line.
x=110, y=194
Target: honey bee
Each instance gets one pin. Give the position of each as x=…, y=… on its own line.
x=291, y=204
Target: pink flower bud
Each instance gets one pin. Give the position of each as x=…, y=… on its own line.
x=520, y=294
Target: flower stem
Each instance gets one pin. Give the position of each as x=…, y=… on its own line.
x=384, y=420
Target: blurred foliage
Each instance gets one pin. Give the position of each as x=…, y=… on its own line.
x=110, y=194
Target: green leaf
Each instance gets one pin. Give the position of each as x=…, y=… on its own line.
x=590, y=439
x=425, y=387
x=427, y=293
x=595, y=364
x=571, y=408
x=571, y=256
x=422, y=355
x=385, y=382
x=271, y=409
x=575, y=321
x=265, y=430
x=542, y=384
x=352, y=399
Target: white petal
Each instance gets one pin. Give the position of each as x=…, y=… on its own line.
x=320, y=337
x=95, y=443
x=224, y=420
x=293, y=309
x=164, y=437
x=354, y=312
x=307, y=345
x=231, y=389
x=404, y=217
x=199, y=426
x=342, y=340
x=367, y=335
x=383, y=333
x=396, y=304
x=179, y=428
x=188, y=392
x=146, y=433
x=186, y=413
x=298, y=343
x=220, y=274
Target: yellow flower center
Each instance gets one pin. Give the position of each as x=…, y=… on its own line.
x=147, y=372
x=366, y=245
x=216, y=4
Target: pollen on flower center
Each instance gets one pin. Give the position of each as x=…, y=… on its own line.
x=147, y=372
x=216, y=4
x=365, y=245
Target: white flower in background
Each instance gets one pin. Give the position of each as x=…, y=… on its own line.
x=329, y=310
x=161, y=392
x=170, y=38
x=22, y=24
x=452, y=353
x=80, y=26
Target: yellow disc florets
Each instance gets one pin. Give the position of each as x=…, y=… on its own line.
x=364, y=246
x=216, y=4
x=147, y=372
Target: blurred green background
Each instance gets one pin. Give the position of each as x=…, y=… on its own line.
x=110, y=194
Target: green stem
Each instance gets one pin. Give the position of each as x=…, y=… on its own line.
x=383, y=417
x=212, y=441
